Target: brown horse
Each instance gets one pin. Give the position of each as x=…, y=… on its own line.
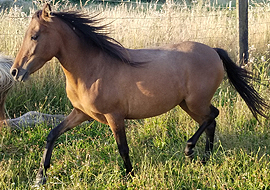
x=109, y=83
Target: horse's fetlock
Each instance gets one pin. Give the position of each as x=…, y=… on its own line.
x=190, y=144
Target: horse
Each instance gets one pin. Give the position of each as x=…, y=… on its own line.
x=6, y=83
x=109, y=83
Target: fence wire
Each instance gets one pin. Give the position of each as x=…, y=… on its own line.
x=217, y=27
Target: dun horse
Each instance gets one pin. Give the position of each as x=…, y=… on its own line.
x=109, y=83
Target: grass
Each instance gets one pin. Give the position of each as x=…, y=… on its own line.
x=87, y=156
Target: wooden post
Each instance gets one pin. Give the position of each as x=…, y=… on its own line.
x=243, y=31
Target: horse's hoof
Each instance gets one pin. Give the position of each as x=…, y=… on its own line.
x=189, y=153
x=40, y=181
x=190, y=156
x=129, y=176
x=206, y=157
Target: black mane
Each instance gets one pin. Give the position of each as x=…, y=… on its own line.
x=86, y=28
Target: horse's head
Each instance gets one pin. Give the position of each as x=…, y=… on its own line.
x=38, y=45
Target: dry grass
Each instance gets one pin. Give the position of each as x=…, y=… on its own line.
x=145, y=25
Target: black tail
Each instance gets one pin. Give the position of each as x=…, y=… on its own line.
x=240, y=79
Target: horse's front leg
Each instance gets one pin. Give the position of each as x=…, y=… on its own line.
x=75, y=118
x=117, y=125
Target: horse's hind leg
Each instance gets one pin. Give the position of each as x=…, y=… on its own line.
x=210, y=133
x=207, y=123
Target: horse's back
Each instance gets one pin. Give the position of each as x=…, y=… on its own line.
x=187, y=61
x=186, y=54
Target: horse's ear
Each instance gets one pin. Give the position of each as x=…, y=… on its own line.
x=46, y=12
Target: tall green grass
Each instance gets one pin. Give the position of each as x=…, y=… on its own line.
x=87, y=156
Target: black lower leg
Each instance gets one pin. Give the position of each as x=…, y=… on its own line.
x=210, y=133
x=189, y=152
x=193, y=140
x=46, y=158
x=124, y=152
x=44, y=165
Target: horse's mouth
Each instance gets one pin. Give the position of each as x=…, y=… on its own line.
x=24, y=77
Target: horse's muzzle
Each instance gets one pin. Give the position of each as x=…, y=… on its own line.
x=19, y=75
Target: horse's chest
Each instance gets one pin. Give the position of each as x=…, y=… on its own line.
x=75, y=98
x=88, y=102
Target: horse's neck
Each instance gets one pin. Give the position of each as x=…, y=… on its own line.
x=84, y=64
x=81, y=61
x=71, y=49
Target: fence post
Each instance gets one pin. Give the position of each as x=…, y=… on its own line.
x=243, y=31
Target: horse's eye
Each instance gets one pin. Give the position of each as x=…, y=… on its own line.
x=34, y=37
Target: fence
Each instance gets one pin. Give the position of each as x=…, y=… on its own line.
x=140, y=25
x=243, y=31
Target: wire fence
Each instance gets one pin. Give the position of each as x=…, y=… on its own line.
x=140, y=25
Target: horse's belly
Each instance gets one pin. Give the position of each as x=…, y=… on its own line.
x=147, y=114
x=152, y=106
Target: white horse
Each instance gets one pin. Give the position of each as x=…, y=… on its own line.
x=6, y=82
x=30, y=118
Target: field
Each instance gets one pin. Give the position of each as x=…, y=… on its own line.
x=87, y=156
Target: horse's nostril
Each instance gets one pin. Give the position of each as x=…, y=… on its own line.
x=14, y=72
